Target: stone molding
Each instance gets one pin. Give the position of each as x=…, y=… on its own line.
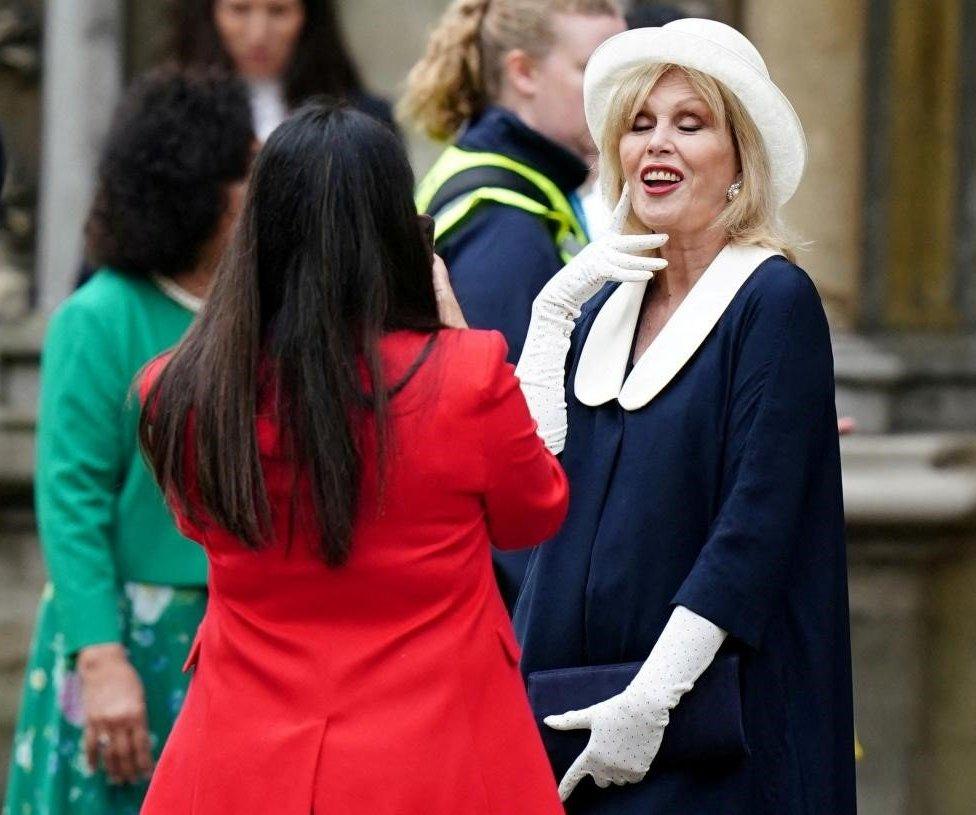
x=914, y=480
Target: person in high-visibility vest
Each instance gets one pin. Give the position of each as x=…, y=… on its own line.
x=502, y=81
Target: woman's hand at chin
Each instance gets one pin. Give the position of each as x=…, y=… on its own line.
x=613, y=258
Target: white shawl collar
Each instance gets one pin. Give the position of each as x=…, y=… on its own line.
x=603, y=360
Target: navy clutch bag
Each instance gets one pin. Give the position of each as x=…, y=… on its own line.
x=706, y=725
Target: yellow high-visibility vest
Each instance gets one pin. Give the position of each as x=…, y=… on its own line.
x=461, y=180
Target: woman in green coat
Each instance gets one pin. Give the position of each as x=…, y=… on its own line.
x=126, y=590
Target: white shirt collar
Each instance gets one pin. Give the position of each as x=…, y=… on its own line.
x=178, y=294
x=603, y=360
x=268, y=106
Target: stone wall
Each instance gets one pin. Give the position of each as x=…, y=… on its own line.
x=911, y=510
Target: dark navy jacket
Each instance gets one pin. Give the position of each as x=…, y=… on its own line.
x=501, y=257
x=721, y=494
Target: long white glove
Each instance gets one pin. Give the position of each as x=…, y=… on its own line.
x=541, y=368
x=627, y=728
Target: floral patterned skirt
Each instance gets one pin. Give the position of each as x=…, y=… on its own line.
x=49, y=774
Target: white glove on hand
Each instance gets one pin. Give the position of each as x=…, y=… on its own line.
x=541, y=368
x=627, y=728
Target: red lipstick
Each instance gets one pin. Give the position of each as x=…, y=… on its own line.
x=660, y=179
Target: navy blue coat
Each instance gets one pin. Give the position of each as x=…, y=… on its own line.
x=721, y=494
x=500, y=257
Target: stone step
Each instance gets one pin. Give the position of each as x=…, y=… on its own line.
x=23, y=337
x=20, y=384
x=20, y=354
x=16, y=456
x=909, y=482
x=908, y=383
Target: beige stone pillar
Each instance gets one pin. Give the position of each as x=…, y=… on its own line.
x=924, y=72
x=82, y=80
x=814, y=51
x=951, y=693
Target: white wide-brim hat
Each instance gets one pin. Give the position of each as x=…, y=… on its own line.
x=722, y=53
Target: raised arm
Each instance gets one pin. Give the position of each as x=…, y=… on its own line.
x=526, y=493
x=541, y=368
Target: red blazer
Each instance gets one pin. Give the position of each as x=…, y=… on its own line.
x=388, y=686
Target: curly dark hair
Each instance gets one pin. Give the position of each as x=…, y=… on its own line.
x=321, y=66
x=177, y=139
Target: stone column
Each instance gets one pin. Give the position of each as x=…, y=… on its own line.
x=82, y=78
x=923, y=72
x=815, y=53
x=911, y=520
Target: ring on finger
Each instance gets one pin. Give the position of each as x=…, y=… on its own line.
x=103, y=740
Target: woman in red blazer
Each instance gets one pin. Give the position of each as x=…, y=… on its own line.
x=346, y=461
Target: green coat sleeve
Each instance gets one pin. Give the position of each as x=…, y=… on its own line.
x=80, y=461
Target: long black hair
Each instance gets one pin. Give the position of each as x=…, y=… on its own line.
x=328, y=256
x=177, y=140
x=321, y=64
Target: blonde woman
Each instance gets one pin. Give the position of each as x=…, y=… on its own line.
x=686, y=635
x=502, y=81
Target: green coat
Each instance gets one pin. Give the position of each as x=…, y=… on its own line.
x=101, y=516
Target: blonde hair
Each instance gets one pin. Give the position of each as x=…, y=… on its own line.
x=752, y=217
x=461, y=72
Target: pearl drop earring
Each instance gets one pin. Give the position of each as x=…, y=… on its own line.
x=734, y=189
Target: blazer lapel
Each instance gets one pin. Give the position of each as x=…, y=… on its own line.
x=603, y=360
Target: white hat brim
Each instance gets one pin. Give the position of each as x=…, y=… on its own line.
x=770, y=110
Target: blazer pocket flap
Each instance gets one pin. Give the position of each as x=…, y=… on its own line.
x=705, y=725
